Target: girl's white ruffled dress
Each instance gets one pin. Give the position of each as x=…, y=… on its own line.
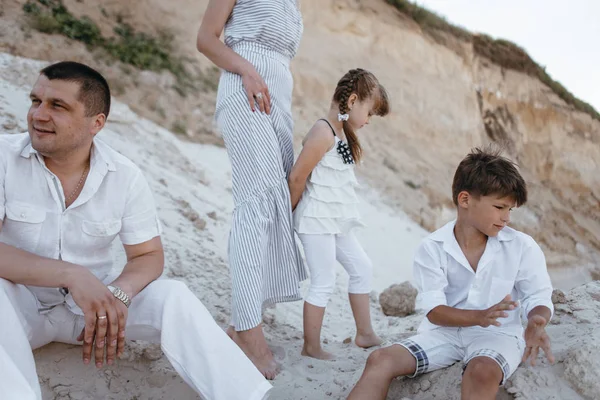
x=329, y=204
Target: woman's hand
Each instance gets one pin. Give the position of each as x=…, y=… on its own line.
x=256, y=90
x=209, y=43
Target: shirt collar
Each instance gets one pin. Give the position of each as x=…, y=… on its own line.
x=446, y=234
x=99, y=154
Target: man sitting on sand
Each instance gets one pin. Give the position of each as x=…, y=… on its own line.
x=64, y=197
x=468, y=273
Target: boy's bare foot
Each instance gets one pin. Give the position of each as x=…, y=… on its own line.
x=253, y=344
x=317, y=353
x=366, y=341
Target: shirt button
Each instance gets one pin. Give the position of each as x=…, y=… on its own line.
x=22, y=215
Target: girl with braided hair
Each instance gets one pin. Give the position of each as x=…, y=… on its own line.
x=322, y=185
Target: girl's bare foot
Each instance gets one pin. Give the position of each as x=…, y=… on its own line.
x=317, y=353
x=366, y=341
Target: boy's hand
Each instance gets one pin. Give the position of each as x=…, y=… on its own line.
x=536, y=337
x=488, y=317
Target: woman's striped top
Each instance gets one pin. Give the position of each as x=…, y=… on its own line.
x=263, y=21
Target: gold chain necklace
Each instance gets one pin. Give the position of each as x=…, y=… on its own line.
x=74, y=193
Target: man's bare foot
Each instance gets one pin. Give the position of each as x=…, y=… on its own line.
x=254, y=345
x=366, y=341
x=317, y=353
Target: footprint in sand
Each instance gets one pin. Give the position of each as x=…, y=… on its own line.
x=279, y=353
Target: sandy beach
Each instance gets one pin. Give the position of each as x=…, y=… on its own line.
x=192, y=187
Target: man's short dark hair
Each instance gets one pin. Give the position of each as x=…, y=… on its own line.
x=94, y=92
x=485, y=172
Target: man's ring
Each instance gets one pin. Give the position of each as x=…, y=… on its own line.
x=258, y=96
x=102, y=317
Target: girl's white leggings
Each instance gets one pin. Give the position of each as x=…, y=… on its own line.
x=321, y=252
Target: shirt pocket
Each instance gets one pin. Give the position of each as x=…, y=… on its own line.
x=499, y=289
x=23, y=225
x=100, y=234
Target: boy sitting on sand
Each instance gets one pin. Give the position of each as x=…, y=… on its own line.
x=469, y=274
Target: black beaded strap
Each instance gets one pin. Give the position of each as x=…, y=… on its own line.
x=332, y=130
x=342, y=147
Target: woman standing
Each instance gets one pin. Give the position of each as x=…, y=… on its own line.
x=253, y=112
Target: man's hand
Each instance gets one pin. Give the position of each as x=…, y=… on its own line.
x=489, y=317
x=536, y=337
x=120, y=342
x=104, y=315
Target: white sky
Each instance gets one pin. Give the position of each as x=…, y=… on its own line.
x=563, y=35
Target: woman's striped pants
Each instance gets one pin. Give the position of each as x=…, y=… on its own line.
x=265, y=262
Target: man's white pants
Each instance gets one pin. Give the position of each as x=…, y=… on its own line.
x=165, y=312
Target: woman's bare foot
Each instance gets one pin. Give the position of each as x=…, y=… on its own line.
x=369, y=340
x=254, y=345
x=317, y=353
x=231, y=332
x=266, y=364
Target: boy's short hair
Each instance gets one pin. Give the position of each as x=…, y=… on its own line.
x=94, y=92
x=485, y=172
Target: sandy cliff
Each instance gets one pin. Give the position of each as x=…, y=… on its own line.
x=445, y=99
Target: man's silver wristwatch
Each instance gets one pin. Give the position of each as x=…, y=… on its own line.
x=120, y=294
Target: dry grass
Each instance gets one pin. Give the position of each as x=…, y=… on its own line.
x=138, y=49
x=501, y=52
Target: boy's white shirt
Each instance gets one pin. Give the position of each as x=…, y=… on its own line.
x=512, y=263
